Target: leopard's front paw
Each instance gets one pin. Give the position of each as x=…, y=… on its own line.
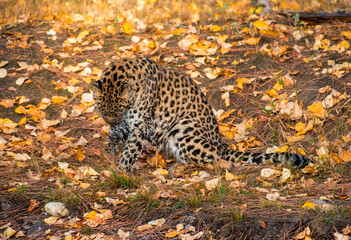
x=125, y=166
x=113, y=148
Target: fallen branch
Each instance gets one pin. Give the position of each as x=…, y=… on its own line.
x=317, y=17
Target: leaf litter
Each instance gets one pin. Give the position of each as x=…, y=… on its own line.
x=274, y=87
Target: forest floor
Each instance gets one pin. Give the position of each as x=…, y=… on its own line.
x=273, y=85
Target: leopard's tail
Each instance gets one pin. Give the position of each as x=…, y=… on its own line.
x=261, y=158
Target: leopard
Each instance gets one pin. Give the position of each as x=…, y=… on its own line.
x=147, y=104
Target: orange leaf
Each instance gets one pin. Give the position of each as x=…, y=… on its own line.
x=33, y=204
x=262, y=224
x=7, y=103
x=44, y=138
x=171, y=234
x=252, y=41
x=346, y=156
x=80, y=155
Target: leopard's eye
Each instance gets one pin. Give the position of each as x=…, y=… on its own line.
x=123, y=86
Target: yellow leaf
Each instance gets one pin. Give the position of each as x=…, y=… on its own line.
x=300, y=126
x=83, y=34
x=80, y=155
x=309, y=169
x=22, y=121
x=158, y=162
x=306, y=129
x=171, y=234
x=215, y=28
x=306, y=60
x=318, y=109
x=278, y=86
x=35, y=112
x=282, y=149
x=227, y=130
x=128, y=28
x=309, y=205
x=58, y=99
x=301, y=235
x=260, y=24
x=242, y=81
x=272, y=93
x=21, y=164
x=90, y=215
x=84, y=185
x=20, y=110
x=301, y=151
x=179, y=31
x=220, y=3
x=347, y=34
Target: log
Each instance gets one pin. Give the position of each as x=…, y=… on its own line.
x=318, y=17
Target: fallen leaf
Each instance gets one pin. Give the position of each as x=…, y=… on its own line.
x=80, y=154
x=228, y=176
x=262, y=224
x=128, y=28
x=212, y=184
x=3, y=72
x=309, y=205
x=272, y=196
x=144, y=227
x=33, y=204
x=21, y=80
x=286, y=174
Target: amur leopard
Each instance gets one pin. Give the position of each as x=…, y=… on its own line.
x=145, y=103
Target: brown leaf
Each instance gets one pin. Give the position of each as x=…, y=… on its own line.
x=33, y=204
x=80, y=154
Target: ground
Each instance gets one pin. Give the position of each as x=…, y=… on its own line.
x=289, y=86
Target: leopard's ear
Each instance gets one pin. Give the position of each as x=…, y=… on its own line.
x=98, y=84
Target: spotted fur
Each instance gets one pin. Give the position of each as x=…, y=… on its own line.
x=145, y=103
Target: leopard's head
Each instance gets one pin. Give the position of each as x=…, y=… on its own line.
x=112, y=94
